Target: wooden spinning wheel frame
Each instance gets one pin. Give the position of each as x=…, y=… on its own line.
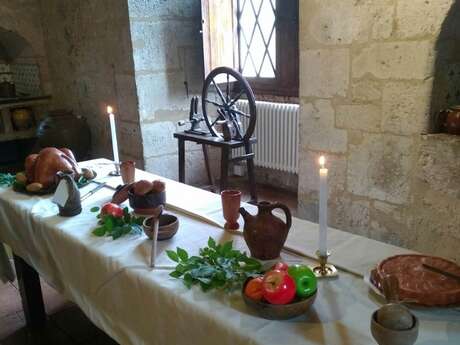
x=222, y=105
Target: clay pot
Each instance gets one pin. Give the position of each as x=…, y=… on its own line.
x=128, y=171
x=386, y=336
x=63, y=129
x=22, y=118
x=231, y=201
x=451, y=119
x=265, y=234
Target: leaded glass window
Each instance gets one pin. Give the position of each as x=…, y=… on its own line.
x=257, y=38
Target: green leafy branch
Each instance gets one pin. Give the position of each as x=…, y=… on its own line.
x=7, y=180
x=218, y=266
x=117, y=226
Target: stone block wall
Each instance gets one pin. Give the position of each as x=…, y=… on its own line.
x=91, y=65
x=167, y=49
x=372, y=75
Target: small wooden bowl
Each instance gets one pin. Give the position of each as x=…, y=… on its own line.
x=169, y=225
x=386, y=336
x=279, y=312
x=147, y=201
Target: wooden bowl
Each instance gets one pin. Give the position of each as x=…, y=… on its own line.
x=279, y=312
x=169, y=225
x=386, y=336
x=147, y=201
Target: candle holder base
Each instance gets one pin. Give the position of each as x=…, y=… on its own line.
x=324, y=270
x=115, y=172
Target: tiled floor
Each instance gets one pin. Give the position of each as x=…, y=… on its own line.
x=67, y=325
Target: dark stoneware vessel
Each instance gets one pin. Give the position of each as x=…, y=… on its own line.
x=63, y=129
x=265, y=233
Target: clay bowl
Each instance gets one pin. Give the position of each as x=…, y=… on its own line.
x=279, y=312
x=142, y=203
x=169, y=225
x=386, y=336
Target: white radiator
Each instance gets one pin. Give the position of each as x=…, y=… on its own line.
x=277, y=133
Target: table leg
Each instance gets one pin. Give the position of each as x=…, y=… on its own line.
x=31, y=293
x=181, y=160
x=224, y=168
x=208, y=167
x=251, y=177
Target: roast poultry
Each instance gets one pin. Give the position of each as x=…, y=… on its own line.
x=42, y=167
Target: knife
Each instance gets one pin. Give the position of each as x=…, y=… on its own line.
x=94, y=190
x=440, y=271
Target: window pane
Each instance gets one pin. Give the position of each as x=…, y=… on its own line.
x=257, y=38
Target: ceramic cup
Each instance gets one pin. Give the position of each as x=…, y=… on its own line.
x=386, y=336
x=128, y=171
x=231, y=200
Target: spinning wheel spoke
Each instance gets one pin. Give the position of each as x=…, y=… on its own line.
x=221, y=116
x=219, y=91
x=234, y=100
x=240, y=113
x=214, y=103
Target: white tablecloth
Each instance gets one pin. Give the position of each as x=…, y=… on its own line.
x=112, y=283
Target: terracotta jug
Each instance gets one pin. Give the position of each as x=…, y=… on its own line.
x=265, y=233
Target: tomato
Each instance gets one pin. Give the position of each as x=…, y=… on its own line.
x=112, y=210
x=281, y=266
x=278, y=287
x=253, y=289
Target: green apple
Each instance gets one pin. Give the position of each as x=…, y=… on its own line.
x=304, y=279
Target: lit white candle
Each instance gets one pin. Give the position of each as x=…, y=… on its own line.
x=113, y=132
x=322, y=207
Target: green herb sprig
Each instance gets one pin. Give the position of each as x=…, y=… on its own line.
x=218, y=266
x=117, y=226
x=7, y=180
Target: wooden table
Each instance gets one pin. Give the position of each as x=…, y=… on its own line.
x=226, y=148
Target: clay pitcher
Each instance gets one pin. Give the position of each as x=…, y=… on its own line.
x=265, y=233
x=72, y=206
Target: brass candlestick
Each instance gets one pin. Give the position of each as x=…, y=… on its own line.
x=116, y=172
x=324, y=270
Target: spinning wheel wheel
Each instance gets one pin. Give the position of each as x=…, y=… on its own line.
x=222, y=90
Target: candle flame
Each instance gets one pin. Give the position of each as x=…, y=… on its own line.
x=109, y=109
x=322, y=161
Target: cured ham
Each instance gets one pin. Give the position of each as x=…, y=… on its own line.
x=418, y=283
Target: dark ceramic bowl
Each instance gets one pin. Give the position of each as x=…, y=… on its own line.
x=386, y=336
x=147, y=201
x=279, y=312
x=169, y=225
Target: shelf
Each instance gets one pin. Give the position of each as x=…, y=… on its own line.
x=7, y=103
x=18, y=135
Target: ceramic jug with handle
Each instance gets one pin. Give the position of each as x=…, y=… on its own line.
x=265, y=233
x=72, y=206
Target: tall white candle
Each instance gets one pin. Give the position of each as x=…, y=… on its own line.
x=113, y=132
x=322, y=207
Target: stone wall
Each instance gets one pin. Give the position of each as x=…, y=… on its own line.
x=167, y=49
x=23, y=18
x=91, y=64
x=372, y=74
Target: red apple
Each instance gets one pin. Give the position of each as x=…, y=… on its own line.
x=278, y=287
x=112, y=210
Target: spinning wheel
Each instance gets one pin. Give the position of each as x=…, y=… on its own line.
x=222, y=90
